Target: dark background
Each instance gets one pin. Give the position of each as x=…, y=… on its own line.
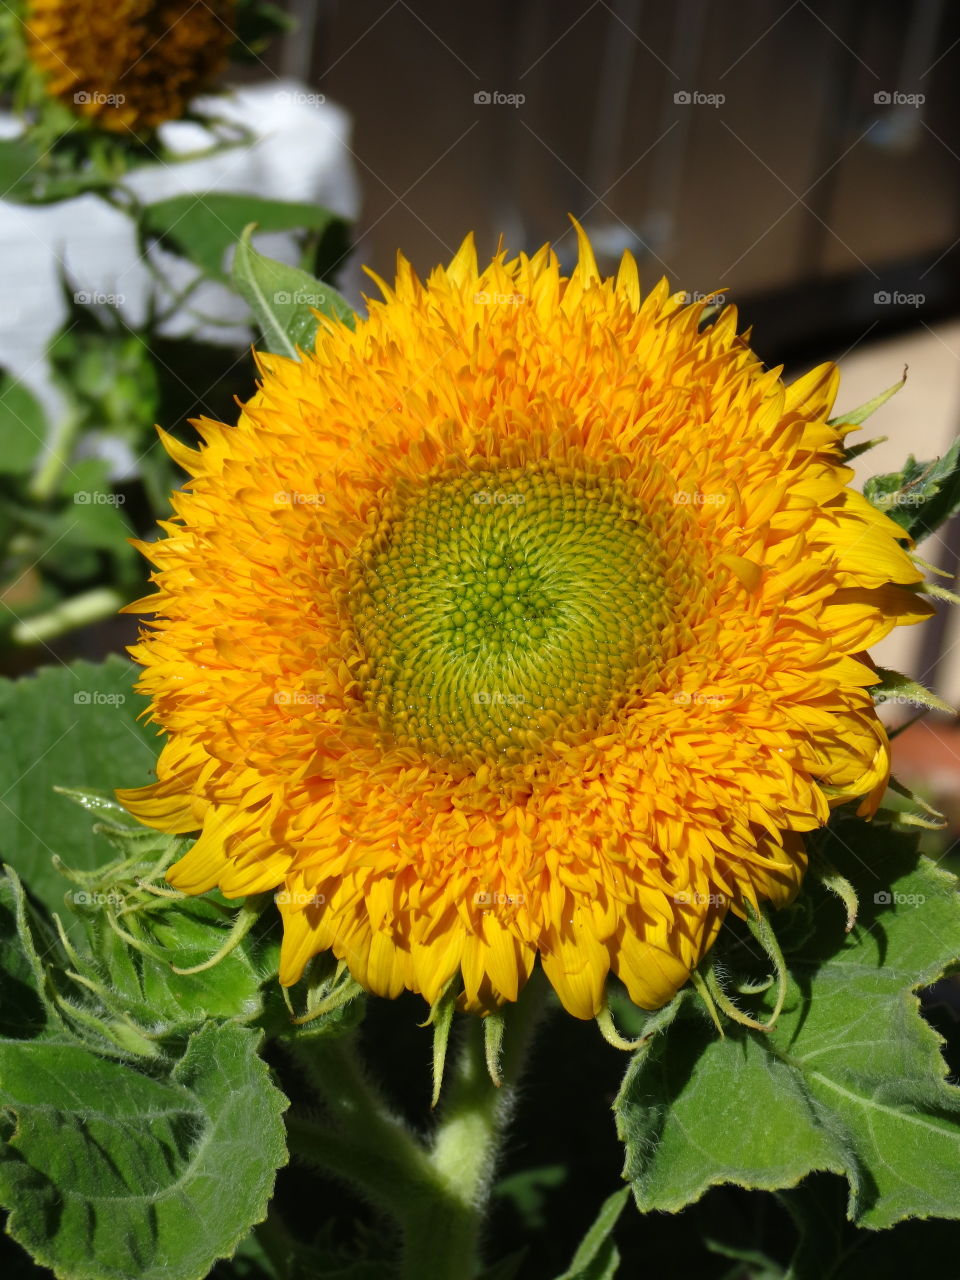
x=798, y=192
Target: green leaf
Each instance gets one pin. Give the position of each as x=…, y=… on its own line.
x=922, y=495
x=73, y=726
x=203, y=227
x=19, y=166
x=119, y=1168
x=851, y=1080
x=284, y=300
x=23, y=427
x=597, y=1257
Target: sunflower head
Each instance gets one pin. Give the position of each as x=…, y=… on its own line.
x=526, y=619
x=130, y=65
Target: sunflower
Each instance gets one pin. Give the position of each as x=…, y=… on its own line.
x=527, y=618
x=132, y=64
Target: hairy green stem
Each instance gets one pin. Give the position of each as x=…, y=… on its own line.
x=441, y=1239
x=437, y=1193
x=375, y=1138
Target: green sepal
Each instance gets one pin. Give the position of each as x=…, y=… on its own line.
x=493, y=1026
x=441, y=1019
x=859, y=415
x=838, y=884
x=929, y=819
x=895, y=687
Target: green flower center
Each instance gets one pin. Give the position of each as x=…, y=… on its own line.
x=502, y=610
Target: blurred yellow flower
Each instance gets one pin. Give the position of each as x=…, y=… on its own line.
x=526, y=619
x=131, y=64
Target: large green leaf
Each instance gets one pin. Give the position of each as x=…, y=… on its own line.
x=285, y=300
x=77, y=727
x=204, y=226
x=850, y=1081
x=120, y=1165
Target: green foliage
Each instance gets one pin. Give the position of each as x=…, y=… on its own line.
x=123, y=1163
x=23, y=427
x=851, y=1079
x=204, y=226
x=597, y=1257
x=285, y=300
x=922, y=495
x=105, y=372
x=77, y=726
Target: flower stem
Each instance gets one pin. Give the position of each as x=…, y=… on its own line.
x=438, y=1193
x=368, y=1144
x=441, y=1239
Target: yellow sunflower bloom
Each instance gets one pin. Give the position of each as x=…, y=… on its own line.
x=527, y=618
x=131, y=64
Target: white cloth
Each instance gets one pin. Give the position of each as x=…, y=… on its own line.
x=301, y=152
